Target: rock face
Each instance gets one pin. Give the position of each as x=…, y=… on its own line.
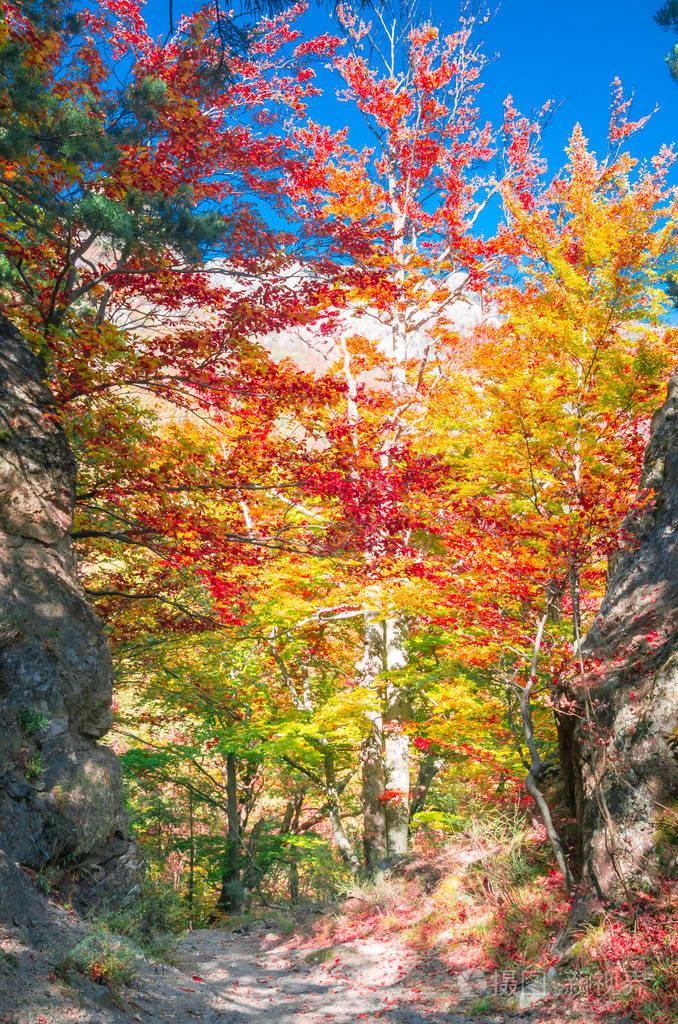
x=60, y=803
x=620, y=751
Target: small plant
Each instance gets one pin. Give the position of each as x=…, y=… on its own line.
x=32, y=721
x=280, y=923
x=481, y=1004
x=102, y=958
x=33, y=766
x=591, y=941
x=151, y=921
x=321, y=956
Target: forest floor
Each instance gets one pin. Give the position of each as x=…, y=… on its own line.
x=259, y=976
x=470, y=934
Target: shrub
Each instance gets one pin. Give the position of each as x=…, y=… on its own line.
x=32, y=721
x=147, y=921
x=103, y=958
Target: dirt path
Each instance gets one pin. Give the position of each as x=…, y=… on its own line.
x=267, y=979
x=264, y=978
x=259, y=977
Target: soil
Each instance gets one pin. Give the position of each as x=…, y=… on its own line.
x=251, y=976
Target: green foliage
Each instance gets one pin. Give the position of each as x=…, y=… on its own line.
x=321, y=875
x=102, y=957
x=481, y=1004
x=32, y=721
x=439, y=821
x=151, y=921
x=43, y=880
x=667, y=17
x=7, y=272
x=33, y=765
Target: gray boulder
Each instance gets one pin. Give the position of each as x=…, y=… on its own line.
x=619, y=752
x=60, y=791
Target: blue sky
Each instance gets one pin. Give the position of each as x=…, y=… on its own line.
x=568, y=51
x=571, y=51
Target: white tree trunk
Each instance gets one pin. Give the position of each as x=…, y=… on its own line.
x=396, y=743
x=372, y=750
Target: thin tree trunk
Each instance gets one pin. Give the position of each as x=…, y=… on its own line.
x=252, y=873
x=191, y=860
x=293, y=880
x=374, y=817
x=231, y=896
x=429, y=766
x=372, y=751
x=290, y=824
x=341, y=840
x=531, y=782
x=396, y=744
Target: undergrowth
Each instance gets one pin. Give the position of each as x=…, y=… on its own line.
x=488, y=900
x=101, y=957
x=631, y=967
x=119, y=937
x=152, y=922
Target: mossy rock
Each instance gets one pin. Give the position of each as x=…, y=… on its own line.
x=321, y=956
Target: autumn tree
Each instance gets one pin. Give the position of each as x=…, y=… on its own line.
x=566, y=379
x=134, y=176
x=414, y=200
x=137, y=259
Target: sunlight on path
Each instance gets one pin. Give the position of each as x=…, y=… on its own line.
x=256, y=979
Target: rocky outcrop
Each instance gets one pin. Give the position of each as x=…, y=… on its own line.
x=60, y=803
x=620, y=748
